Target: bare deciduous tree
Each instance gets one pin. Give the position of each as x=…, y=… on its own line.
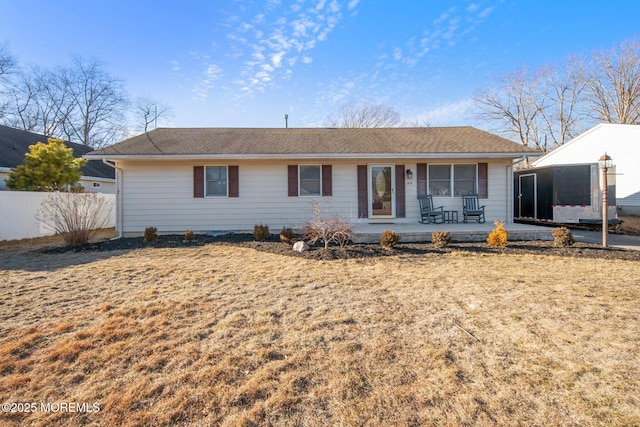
x=80, y=103
x=563, y=90
x=149, y=111
x=8, y=66
x=548, y=107
x=41, y=101
x=8, y=62
x=614, y=81
x=541, y=108
x=514, y=107
x=99, y=103
x=364, y=115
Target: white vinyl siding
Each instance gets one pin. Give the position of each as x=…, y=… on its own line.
x=160, y=194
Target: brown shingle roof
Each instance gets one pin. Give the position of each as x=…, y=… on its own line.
x=312, y=141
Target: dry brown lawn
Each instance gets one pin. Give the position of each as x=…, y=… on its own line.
x=630, y=225
x=221, y=335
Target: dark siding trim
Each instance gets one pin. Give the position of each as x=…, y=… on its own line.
x=363, y=211
x=234, y=187
x=483, y=180
x=198, y=181
x=422, y=178
x=292, y=171
x=327, y=187
x=401, y=211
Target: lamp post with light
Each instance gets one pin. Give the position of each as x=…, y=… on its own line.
x=605, y=163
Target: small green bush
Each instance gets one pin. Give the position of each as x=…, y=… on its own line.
x=189, y=236
x=287, y=235
x=440, y=239
x=389, y=239
x=261, y=232
x=498, y=237
x=150, y=234
x=562, y=236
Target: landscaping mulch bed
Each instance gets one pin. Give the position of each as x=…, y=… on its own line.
x=357, y=251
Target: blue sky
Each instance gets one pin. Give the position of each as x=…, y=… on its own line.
x=247, y=63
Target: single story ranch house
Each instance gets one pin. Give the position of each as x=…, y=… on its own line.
x=230, y=179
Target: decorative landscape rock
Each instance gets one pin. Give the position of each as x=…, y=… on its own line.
x=300, y=246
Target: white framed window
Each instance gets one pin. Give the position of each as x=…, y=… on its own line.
x=216, y=182
x=465, y=180
x=453, y=180
x=440, y=180
x=310, y=180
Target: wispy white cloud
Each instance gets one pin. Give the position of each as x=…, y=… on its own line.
x=206, y=82
x=276, y=59
x=454, y=113
x=262, y=45
x=284, y=34
x=449, y=28
x=472, y=7
x=175, y=66
x=485, y=12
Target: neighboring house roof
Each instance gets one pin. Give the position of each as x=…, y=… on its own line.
x=622, y=141
x=14, y=144
x=313, y=142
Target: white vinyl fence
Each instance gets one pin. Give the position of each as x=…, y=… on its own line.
x=18, y=214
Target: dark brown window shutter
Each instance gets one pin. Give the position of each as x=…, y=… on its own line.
x=326, y=180
x=198, y=181
x=234, y=187
x=483, y=180
x=422, y=178
x=363, y=211
x=400, y=196
x=293, y=180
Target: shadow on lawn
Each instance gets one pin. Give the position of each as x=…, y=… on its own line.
x=63, y=256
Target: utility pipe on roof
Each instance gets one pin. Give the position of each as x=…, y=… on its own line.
x=118, y=195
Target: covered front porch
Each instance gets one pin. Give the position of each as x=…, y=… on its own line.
x=370, y=232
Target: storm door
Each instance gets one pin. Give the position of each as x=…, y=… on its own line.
x=381, y=191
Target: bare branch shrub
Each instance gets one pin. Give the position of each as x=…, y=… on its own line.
x=327, y=229
x=77, y=217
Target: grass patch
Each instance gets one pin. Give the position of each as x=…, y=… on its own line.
x=630, y=225
x=221, y=335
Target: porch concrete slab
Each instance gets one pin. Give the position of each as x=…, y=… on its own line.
x=461, y=232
